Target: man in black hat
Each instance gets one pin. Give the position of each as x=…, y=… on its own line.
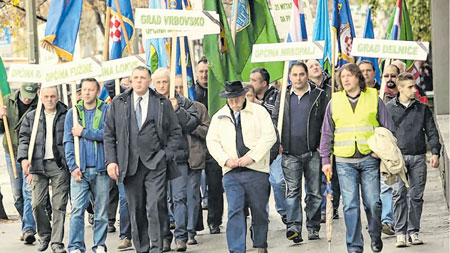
x=239, y=139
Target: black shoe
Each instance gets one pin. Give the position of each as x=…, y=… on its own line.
x=335, y=214
x=111, y=228
x=313, y=235
x=323, y=218
x=284, y=219
x=58, y=248
x=28, y=237
x=214, y=229
x=377, y=246
x=43, y=246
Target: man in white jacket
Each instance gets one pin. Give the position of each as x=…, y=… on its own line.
x=239, y=138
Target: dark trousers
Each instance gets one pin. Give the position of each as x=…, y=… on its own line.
x=113, y=202
x=215, y=192
x=59, y=180
x=147, y=204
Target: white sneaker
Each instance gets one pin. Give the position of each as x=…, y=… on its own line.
x=414, y=239
x=401, y=241
x=100, y=249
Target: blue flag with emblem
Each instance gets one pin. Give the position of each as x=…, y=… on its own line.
x=343, y=28
x=322, y=31
x=117, y=40
x=62, y=27
x=157, y=49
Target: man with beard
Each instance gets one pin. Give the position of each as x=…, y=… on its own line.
x=390, y=74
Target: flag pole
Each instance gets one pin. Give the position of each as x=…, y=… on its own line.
x=191, y=58
x=106, y=42
x=387, y=62
x=37, y=116
x=122, y=24
x=65, y=95
x=76, y=139
x=173, y=63
x=234, y=21
x=8, y=139
x=333, y=56
x=283, y=97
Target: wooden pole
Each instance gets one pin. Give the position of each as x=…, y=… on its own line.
x=117, y=87
x=65, y=95
x=37, y=116
x=387, y=62
x=106, y=42
x=234, y=21
x=76, y=139
x=122, y=24
x=183, y=66
x=173, y=64
x=283, y=97
x=8, y=139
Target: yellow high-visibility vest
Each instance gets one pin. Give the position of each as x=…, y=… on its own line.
x=353, y=129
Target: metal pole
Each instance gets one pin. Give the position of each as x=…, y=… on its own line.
x=32, y=39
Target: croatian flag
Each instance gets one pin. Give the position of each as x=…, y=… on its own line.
x=297, y=26
x=397, y=21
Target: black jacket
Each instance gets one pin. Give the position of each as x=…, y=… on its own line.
x=116, y=136
x=413, y=123
x=188, y=120
x=201, y=94
x=325, y=84
x=316, y=114
x=110, y=86
x=269, y=99
x=37, y=162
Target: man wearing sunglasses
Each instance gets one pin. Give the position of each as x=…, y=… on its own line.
x=390, y=75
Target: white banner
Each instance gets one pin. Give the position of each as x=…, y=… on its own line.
x=288, y=51
x=121, y=67
x=25, y=73
x=390, y=49
x=159, y=21
x=71, y=71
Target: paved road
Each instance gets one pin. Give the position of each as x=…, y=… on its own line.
x=435, y=228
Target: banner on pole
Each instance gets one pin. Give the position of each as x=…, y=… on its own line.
x=25, y=73
x=390, y=49
x=120, y=67
x=71, y=71
x=288, y=51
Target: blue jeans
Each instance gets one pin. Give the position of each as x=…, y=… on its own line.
x=276, y=179
x=124, y=223
x=386, y=202
x=180, y=209
x=246, y=186
x=352, y=176
x=294, y=167
x=204, y=189
x=98, y=184
x=22, y=195
x=193, y=200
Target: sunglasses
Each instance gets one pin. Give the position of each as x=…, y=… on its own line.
x=390, y=75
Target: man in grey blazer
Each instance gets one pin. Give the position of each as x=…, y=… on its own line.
x=141, y=138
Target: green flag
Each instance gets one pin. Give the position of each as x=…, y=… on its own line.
x=219, y=50
x=3, y=83
x=255, y=25
x=399, y=27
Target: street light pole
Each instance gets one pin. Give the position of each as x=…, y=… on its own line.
x=32, y=36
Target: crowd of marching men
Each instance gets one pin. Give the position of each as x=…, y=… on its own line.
x=147, y=152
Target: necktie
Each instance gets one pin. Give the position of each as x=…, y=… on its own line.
x=236, y=118
x=139, y=112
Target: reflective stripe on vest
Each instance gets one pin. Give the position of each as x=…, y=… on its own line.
x=353, y=129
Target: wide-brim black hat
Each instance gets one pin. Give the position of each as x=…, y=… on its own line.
x=233, y=89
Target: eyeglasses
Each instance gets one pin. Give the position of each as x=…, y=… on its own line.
x=390, y=75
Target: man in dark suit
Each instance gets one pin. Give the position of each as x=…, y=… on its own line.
x=141, y=138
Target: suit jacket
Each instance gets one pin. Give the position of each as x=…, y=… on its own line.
x=117, y=133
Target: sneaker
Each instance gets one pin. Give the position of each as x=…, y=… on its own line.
x=58, y=248
x=43, y=245
x=124, y=244
x=313, y=235
x=181, y=246
x=214, y=229
x=28, y=237
x=387, y=229
x=294, y=236
x=401, y=241
x=111, y=228
x=191, y=241
x=414, y=239
x=100, y=249
x=91, y=218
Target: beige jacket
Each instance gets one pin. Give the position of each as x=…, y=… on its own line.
x=258, y=134
x=384, y=144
